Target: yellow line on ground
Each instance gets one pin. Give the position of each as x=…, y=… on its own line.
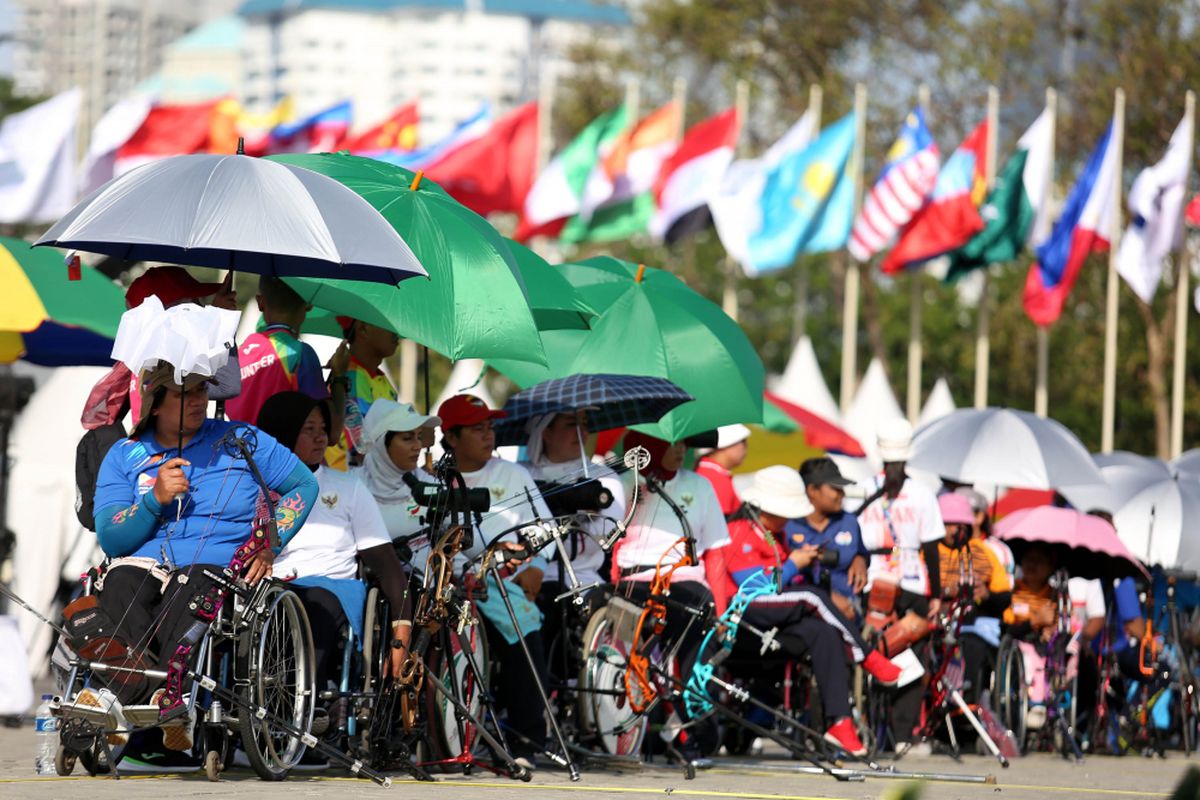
x=683, y=791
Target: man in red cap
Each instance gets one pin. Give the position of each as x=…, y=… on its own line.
x=369, y=346
x=467, y=432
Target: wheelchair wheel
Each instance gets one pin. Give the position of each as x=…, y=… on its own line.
x=375, y=646
x=605, y=714
x=280, y=672
x=450, y=737
x=1010, y=691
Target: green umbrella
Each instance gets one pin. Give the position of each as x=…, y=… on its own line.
x=651, y=323
x=474, y=304
x=555, y=303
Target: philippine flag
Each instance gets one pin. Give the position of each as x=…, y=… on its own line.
x=1083, y=228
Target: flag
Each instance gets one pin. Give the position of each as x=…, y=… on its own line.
x=951, y=216
x=1155, y=208
x=37, y=181
x=465, y=132
x=224, y=129
x=900, y=191
x=256, y=129
x=691, y=176
x=1016, y=212
x=735, y=207
x=1082, y=229
x=558, y=191
x=167, y=131
x=113, y=129
x=493, y=173
x=317, y=133
x=632, y=161
x=397, y=132
x=807, y=203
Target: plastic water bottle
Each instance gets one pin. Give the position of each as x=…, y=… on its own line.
x=46, y=727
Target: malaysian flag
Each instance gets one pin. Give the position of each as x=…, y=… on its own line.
x=907, y=179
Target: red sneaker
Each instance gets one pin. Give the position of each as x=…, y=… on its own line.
x=843, y=735
x=881, y=669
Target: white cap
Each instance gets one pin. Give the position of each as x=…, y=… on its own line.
x=778, y=490
x=727, y=436
x=386, y=416
x=895, y=440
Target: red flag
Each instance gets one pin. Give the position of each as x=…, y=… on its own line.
x=168, y=131
x=397, y=132
x=951, y=216
x=495, y=171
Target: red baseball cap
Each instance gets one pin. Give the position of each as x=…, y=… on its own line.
x=168, y=284
x=466, y=409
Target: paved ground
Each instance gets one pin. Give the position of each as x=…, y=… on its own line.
x=769, y=778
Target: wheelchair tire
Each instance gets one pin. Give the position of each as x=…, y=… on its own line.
x=605, y=715
x=281, y=675
x=448, y=738
x=375, y=645
x=1010, y=691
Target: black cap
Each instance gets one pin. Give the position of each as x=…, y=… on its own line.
x=821, y=471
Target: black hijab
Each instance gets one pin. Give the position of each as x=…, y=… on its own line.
x=283, y=415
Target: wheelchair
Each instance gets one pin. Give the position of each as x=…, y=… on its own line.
x=252, y=670
x=607, y=719
x=1011, y=684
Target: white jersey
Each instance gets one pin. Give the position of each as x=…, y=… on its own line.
x=900, y=527
x=655, y=527
x=344, y=521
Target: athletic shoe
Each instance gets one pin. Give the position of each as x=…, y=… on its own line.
x=1035, y=718
x=918, y=750
x=525, y=762
x=108, y=703
x=311, y=761
x=842, y=734
x=879, y=667
x=159, y=762
x=177, y=731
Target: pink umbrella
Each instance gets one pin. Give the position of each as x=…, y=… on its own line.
x=1094, y=550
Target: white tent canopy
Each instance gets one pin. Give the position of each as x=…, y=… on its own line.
x=874, y=403
x=803, y=384
x=41, y=499
x=939, y=404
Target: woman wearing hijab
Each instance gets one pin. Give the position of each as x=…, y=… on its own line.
x=393, y=436
x=344, y=530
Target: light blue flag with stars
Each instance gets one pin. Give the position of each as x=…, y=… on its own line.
x=807, y=202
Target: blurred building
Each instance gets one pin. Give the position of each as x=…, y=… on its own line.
x=105, y=47
x=450, y=55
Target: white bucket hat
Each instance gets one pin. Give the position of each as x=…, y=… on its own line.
x=895, y=440
x=386, y=416
x=778, y=490
x=727, y=436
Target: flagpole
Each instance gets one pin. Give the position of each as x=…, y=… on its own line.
x=816, y=97
x=853, y=271
x=729, y=298
x=1108, y=415
x=1041, y=400
x=1179, y=377
x=916, y=300
x=983, y=344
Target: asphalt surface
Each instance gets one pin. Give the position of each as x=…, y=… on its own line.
x=771, y=777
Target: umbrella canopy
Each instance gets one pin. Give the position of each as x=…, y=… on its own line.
x=1088, y=546
x=1005, y=447
x=651, y=323
x=1154, y=509
x=782, y=416
x=193, y=339
x=241, y=213
x=50, y=320
x=475, y=304
x=1187, y=461
x=555, y=303
x=612, y=401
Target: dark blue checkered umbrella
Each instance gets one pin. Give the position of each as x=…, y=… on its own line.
x=612, y=401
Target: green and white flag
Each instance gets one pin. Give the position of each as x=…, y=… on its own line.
x=558, y=191
x=1015, y=213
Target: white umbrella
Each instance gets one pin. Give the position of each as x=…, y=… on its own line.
x=1155, y=509
x=241, y=213
x=1004, y=447
x=1188, y=461
x=194, y=339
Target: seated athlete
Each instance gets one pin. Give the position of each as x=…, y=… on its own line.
x=804, y=615
x=344, y=529
x=169, y=502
